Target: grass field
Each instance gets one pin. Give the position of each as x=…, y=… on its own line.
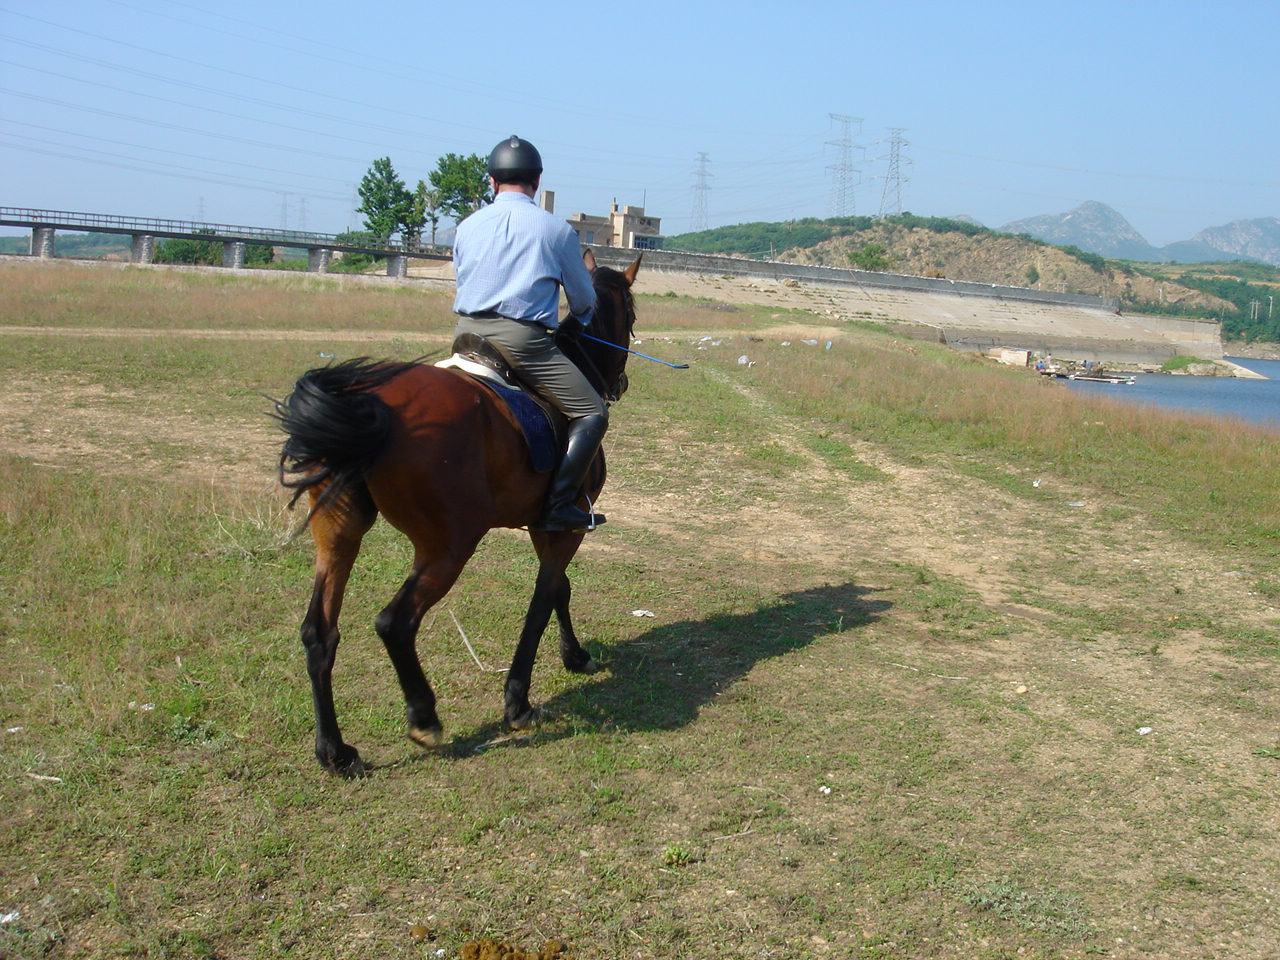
x=943, y=660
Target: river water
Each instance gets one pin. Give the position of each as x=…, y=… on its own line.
x=1255, y=401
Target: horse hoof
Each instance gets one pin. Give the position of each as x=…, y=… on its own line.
x=353, y=770
x=529, y=719
x=345, y=762
x=428, y=739
x=587, y=666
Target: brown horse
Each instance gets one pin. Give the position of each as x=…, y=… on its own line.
x=444, y=461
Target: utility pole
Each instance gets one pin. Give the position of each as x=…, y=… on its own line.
x=843, y=170
x=891, y=196
x=700, y=219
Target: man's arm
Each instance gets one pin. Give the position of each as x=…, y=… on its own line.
x=576, y=278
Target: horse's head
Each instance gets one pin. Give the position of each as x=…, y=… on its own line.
x=614, y=322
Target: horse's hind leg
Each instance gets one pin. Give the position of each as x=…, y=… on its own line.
x=337, y=531
x=397, y=625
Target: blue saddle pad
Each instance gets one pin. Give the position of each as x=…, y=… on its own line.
x=533, y=421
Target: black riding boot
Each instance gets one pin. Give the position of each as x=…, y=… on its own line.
x=562, y=512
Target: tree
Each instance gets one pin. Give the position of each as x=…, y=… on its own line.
x=209, y=252
x=463, y=183
x=384, y=201
x=424, y=208
x=205, y=252
x=431, y=200
x=351, y=262
x=870, y=256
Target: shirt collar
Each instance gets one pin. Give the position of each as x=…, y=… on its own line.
x=513, y=196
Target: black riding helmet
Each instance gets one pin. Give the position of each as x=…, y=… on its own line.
x=515, y=161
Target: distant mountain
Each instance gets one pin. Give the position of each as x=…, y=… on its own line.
x=1093, y=227
x=1193, y=251
x=1254, y=239
x=1096, y=228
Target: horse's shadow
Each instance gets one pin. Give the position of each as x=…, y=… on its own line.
x=662, y=678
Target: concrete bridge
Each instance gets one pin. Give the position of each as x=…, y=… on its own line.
x=320, y=247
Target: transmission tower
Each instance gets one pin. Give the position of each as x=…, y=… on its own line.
x=700, y=219
x=843, y=171
x=891, y=196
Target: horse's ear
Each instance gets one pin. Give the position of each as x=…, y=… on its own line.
x=631, y=271
x=589, y=259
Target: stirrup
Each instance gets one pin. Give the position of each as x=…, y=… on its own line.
x=584, y=522
x=568, y=517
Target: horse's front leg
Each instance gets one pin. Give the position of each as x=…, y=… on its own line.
x=572, y=655
x=398, y=624
x=550, y=593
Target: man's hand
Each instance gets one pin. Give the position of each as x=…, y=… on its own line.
x=571, y=326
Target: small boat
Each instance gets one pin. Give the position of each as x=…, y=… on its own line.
x=1117, y=378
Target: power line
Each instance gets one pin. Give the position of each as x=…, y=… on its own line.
x=185, y=173
x=176, y=153
x=97, y=111
x=208, y=109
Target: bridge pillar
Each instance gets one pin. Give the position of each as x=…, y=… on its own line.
x=143, y=249
x=397, y=265
x=233, y=253
x=318, y=259
x=42, y=242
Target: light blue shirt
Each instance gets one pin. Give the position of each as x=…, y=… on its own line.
x=512, y=258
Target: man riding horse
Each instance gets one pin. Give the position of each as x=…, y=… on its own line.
x=511, y=258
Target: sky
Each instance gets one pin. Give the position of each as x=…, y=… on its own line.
x=268, y=114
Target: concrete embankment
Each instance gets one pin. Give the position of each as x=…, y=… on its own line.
x=967, y=316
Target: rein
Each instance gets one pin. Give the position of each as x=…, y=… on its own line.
x=588, y=366
x=572, y=345
x=636, y=353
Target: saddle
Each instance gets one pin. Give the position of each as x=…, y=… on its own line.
x=542, y=424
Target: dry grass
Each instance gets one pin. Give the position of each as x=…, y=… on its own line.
x=76, y=295
x=888, y=704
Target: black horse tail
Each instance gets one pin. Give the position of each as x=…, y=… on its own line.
x=336, y=427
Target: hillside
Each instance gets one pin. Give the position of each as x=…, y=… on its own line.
x=988, y=257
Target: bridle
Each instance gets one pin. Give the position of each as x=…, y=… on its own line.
x=610, y=392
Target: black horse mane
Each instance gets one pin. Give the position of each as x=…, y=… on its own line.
x=613, y=280
x=594, y=359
